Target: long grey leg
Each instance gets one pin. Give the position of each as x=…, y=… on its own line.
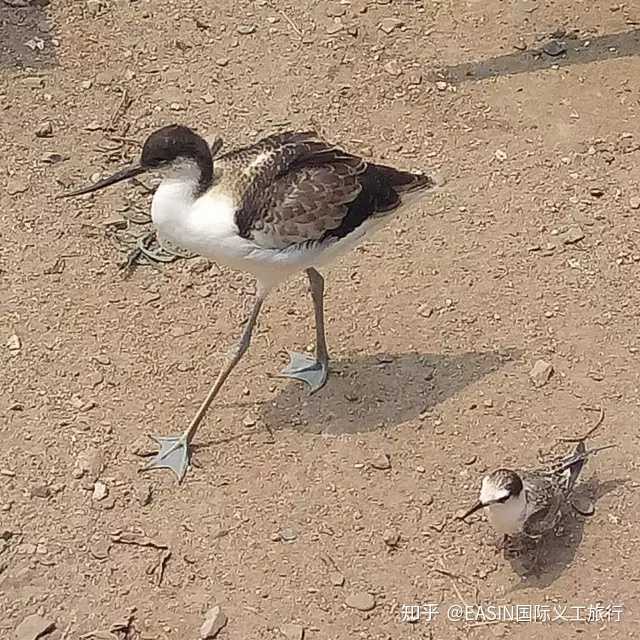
x=174, y=451
x=312, y=371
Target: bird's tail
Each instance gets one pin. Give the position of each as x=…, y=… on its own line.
x=571, y=467
x=409, y=181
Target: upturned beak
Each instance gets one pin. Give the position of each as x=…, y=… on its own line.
x=119, y=176
x=476, y=507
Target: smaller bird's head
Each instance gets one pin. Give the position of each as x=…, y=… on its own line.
x=174, y=150
x=499, y=487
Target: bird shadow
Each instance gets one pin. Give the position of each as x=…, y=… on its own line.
x=365, y=393
x=561, y=49
x=541, y=567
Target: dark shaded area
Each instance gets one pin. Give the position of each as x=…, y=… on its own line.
x=540, y=568
x=365, y=393
x=561, y=50
x=26, y=34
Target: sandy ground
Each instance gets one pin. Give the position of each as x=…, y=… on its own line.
x=531, y=253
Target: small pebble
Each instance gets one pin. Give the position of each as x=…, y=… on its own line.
x=634, y=202
x=45, y=130
x=381, y=462
x=246, y=29
x=287, y=535
x=13, y=343
x=33, y=626
x=292, y=631
x=391, y=538
x=214, y=621
x=100, y=491
x=361, y=601
x=390, y=24
x=336, y=578
x=572, y=235
x=540, y=373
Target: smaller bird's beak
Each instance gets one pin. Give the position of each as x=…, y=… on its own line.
x=119, y=176
x=476, y=507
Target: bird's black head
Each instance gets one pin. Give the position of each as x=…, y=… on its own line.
x=498, y=487
x=171, y=144
x=173, y=149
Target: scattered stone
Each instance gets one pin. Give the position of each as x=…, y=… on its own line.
x=207, y=98
x=500, y=155
x=572, y=235
x=441, y=85
x=555, y=48
x=100, y=549
x=89, y=463
x=222, y=62
x=51, y=157
x=33, y=626
x=13, y=343
x=420, y=469
x=26, y=549
x=16, y=186
x=287, y=535
x=292, y=631
x=100, y=491
x=82, y=405
x=361, y=601
x=144, y=494
x=390, y=24
x=391, y=538
x=381, y=462
x=246, y=29
x=45, y=130
x=33, y=82
x=40, y=491
x=249, y=421
x=336, y=578
x=425, y=310
x=102, y=359
x=392, y=68
x=596, y=192
x=540, y=373
x=94, y=125
x=214, y=621
x=334, y=28
x=634, y=202
x=488, y=403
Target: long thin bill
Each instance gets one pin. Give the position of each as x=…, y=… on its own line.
x=119, y=176
x=476, y=507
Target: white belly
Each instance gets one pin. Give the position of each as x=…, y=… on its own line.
x=507, y=518
x=207, y=227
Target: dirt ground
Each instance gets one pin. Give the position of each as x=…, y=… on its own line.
x=532, y=252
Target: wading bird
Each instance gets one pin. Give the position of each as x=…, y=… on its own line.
x=288, y=203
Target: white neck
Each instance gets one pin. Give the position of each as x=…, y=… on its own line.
x=508, y=517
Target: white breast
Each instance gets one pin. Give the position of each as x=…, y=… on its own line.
x=509, y=517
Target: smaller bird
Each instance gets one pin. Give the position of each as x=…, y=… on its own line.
x=530, y=503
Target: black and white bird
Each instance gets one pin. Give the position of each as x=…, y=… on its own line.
x=530, y=503
x=288, y=203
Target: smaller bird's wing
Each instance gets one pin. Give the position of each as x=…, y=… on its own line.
x=544, y=497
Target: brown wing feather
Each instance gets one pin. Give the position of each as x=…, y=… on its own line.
x=291, y=187
x=303, y=204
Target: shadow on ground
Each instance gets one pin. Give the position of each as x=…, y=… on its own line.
x=365, y=393
x=562, y=50
x=560, y=551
